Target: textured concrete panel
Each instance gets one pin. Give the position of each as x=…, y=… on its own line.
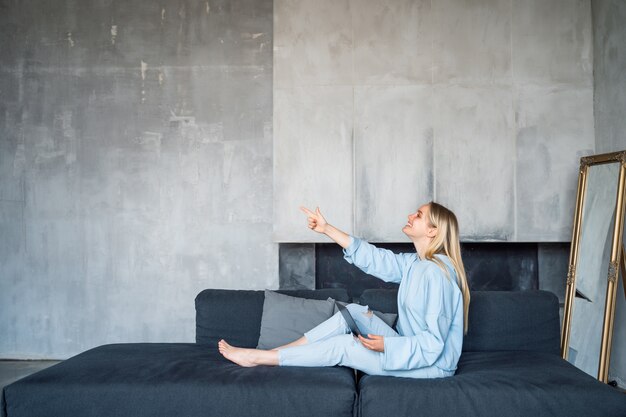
x=399, y=50
x=554, y=129
x=136, y=165
x=312, y=42
x=12, y=242
x=312, y=160
x=551, y=42
x=474, y=152
x=472, y=41
x=473, y=45
x=609, y=58
x=113, y=34
x=234, y=103
x=393, y=156
x=11, y=157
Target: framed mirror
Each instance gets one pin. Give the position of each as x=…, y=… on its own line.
x=597, y=256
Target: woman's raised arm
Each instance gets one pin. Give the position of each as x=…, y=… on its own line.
x=381, y=263
x=318, y=223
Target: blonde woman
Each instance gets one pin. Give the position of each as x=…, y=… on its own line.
x=433, y=302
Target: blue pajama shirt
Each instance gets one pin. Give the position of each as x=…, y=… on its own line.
x=430, y=321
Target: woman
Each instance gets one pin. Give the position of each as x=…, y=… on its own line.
x=433, y=302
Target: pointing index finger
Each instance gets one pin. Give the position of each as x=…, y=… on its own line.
x=306, y=210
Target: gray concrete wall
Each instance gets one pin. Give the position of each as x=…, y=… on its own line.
x=609, y=62
x=139, y=162
x=485, y=106
x=609, y=38
x=135, y=167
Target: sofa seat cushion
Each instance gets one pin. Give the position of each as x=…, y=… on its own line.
x=506, y=383
x=176, y=379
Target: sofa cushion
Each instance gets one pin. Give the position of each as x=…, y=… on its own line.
x=286, y=318
x=499, y=320
x=235, y=315
x=385, y=300
x=176, y=379
x=494, y=384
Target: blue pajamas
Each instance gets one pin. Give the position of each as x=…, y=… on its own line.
x=430, y=320
x=331, y=343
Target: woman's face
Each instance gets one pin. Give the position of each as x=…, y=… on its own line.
x=418, y=226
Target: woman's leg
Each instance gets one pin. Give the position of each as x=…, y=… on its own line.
x=346, y=350
x=299, y=342
x=333, y=326
x=328, y=352
x=329, y=329
x=335, y=347
x=343, y=350
x=336, y=325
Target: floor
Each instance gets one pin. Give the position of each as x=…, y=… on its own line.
x=11, y=370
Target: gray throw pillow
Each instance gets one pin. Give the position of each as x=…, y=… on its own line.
x=286, y=318
x=388, y=318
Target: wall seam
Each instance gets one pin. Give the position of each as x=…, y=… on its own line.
x=515, y=122
x=432, y=100
x=592, y=47
x=353, y=85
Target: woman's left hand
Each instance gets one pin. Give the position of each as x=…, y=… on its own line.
x=375, y=342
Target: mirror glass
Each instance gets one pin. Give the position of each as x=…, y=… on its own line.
x=596, y=233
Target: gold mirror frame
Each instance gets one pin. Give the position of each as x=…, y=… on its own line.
x=616, y=263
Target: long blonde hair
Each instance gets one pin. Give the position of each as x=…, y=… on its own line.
x=446, y=242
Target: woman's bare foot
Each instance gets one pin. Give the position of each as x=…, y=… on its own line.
x=241, y=356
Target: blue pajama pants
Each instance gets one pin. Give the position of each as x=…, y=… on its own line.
x=331, y=343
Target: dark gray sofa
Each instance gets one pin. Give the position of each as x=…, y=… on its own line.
x=510, y=366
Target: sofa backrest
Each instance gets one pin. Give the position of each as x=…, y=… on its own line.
x=498, y=320
x=235, y=315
